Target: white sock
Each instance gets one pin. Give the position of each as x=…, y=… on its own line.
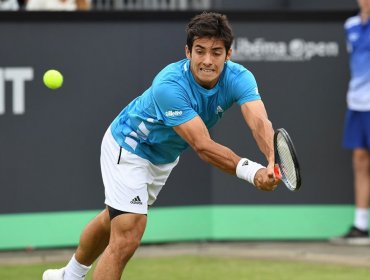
x=75, y=271
x=362, y=219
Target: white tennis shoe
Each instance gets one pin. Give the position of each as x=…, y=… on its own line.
x=54, y=274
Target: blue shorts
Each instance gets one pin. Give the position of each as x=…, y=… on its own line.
x=357, y=130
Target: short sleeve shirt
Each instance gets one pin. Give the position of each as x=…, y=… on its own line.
x=145, y=126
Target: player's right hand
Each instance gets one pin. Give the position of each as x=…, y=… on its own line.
x=266, y=180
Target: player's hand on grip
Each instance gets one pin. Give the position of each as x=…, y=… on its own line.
x=266, y=179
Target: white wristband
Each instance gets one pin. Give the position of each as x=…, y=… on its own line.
x=247, y=169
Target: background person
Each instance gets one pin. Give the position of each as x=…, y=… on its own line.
x=58, y=5
x=143, y=144
x=357, y=122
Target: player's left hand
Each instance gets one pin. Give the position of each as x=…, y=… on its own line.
x=266, y=179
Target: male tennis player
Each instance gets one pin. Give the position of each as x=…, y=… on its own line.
x=143, y=144
x=357, y=123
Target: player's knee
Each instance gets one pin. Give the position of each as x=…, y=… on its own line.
x=125, y=246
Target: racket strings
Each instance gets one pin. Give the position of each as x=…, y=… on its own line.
x=287, y=166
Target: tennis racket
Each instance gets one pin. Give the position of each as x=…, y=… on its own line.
x=286, y=158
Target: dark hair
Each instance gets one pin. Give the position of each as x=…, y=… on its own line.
x=209, y=25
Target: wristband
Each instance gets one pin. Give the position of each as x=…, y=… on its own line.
x=247, y=169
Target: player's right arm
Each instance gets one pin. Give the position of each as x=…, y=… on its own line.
x=196, y=134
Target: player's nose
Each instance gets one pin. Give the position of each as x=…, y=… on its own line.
x=207, y=59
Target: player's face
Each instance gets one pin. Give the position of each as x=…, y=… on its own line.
x=207, y=60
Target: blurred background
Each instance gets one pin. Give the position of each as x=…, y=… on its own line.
x=109, y=52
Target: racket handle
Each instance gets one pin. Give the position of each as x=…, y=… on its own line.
x=277, y=171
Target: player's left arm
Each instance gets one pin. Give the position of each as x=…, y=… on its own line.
x=255, y=116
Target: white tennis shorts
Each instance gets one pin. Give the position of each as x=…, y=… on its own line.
x=133, y=183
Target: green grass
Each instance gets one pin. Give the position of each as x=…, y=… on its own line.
x=207, y=268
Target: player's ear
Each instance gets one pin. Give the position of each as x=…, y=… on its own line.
x=228, y=55
x=187, y=52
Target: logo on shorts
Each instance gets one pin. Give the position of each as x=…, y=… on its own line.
x=136, y=200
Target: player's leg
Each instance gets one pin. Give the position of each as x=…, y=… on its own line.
x=140, y=184
x=94, y=239
x=126, y=177
x=126, y=233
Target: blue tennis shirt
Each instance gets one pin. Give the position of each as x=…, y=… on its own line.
x=144, y=126
x=358, y=43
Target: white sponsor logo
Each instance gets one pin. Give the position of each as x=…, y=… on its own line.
x=296, y=49
x=18, y=77
x=219, y=109
x=173, y=113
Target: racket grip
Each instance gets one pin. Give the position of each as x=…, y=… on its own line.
x=277, y=171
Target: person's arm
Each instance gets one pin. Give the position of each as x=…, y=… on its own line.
x=255, y=116
x=195, y=133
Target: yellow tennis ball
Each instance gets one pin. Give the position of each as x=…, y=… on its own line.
x=53, y=79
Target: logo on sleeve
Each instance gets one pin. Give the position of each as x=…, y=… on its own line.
x=173, y=113
x=219, y=109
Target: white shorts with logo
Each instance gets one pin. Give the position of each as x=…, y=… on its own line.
x=133, y=183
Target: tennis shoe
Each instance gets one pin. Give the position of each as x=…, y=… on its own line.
x=354, y=236
x=54, y=274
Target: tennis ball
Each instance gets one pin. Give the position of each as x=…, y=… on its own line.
x=53, y=79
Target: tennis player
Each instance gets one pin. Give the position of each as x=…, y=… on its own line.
x=143, y=144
